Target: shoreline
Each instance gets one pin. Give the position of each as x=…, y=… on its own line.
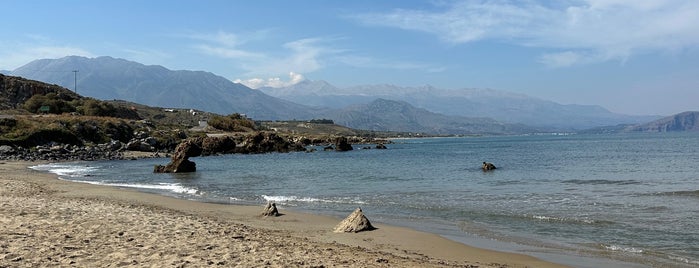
x=46, y=222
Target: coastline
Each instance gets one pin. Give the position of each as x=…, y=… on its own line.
x=52, y=221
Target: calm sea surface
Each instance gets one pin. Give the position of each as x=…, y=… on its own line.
x=632, y=197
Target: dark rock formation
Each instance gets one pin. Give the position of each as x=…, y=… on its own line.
x=488, y=166
x=355, y=222
x=381, y=146
x=328, y=148
x=342, y=145
x=180, y=159
x=217, y=145
x=267, y=142
x=270, y=210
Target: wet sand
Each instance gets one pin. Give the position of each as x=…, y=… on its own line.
x=51, y=222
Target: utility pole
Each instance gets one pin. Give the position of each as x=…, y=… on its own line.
x=75, y=87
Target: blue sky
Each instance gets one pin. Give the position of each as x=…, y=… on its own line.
x=634, y=57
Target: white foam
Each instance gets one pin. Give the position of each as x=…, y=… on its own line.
x=66, y=170
x=623, y=249
x=172, y=187
x=556, y=219
x=286, y=199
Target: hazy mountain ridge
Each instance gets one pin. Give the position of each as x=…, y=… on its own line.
x=109, y=78
x=382, y=114
x=686, y=121
x=500, y=105
x=412, y=109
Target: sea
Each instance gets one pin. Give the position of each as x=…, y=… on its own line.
x=615, y=200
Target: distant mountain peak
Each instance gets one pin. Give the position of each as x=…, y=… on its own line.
x=110, y=78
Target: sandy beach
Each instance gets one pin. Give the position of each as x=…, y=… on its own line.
x=51, y=222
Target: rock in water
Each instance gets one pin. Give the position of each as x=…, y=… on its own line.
x=342, y=145
x=355, y=222
x=270, y=210
x=180, y=160
x=488, y=166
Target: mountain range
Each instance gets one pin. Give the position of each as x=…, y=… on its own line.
x=377, y=107
x=108, y=78
x=500, y=105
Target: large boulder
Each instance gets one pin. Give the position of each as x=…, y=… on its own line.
x=355, y=222
x=180, y=159
x=341, y=144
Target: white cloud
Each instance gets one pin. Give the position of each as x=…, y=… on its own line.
x=598, y=30
x=294, y=78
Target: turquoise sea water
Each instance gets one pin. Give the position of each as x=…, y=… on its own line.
x=631, y=197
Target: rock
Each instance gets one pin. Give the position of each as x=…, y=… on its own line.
x=342, y=145
x=180, y=159
x=270, y=210
x=488, y=166
x=217, y=145
x=381, y=146
x=139, y=145
x=267, y=142
x=328, y=148
x=355, y=222
x=6, y=149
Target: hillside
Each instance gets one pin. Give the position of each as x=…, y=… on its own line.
x=15, y=91
x=499, y=105
x=382, y=115
x=686, y=121
x=107, y=78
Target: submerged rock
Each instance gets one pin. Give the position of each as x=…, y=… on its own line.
x=355, y=222
x=270, y=210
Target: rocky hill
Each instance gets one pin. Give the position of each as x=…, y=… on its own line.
x=73, y=127
x=686, y=121
x=382, y=115
x=15, y=91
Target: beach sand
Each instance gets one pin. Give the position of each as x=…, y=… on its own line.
x=49, y=222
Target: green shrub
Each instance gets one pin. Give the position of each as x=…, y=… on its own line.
x=233, y=122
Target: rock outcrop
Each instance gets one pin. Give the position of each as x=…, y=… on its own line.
x=270, y=210
x=488, y=166
x=342, y=145
x=217, y=145
x=180, y=159
x=267, y=142
x=381, y=146
x=355, y=222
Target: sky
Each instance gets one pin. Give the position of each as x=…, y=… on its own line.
x=636, y=57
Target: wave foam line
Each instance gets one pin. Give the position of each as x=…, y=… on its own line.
x=172, y=187
x=286, y=199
